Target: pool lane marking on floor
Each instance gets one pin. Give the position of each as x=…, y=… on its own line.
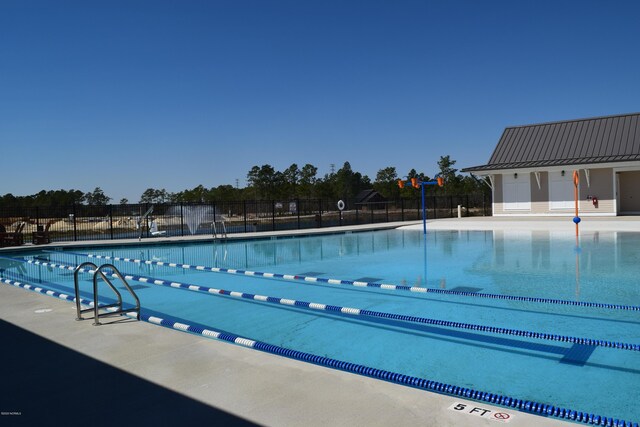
x=361, y=312
x=390, y=287
x=527, y=406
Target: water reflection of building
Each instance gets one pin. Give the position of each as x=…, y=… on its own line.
x=535, y=258
x=515, y=250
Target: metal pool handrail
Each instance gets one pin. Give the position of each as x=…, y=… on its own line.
x=223, y=231
x=97, y=271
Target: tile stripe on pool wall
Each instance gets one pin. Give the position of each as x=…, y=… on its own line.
x=390, y=287
x=532, y=407
x=359, y=312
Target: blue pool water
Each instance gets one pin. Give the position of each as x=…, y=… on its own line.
x=604, y=269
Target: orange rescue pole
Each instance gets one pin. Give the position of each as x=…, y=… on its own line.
x=576, y=219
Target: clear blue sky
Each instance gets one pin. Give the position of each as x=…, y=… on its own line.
x=127, y=95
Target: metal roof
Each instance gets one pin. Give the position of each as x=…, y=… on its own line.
x=584, y=141
x=368, y=196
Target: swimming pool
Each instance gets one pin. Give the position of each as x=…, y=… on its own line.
x=490, y=296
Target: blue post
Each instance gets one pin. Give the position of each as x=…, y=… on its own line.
x=415, y=183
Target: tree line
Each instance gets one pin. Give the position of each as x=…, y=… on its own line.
x=266, y=183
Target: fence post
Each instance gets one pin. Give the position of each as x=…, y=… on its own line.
x=111, y=220
x=146, y=209
x=467, y=202
x=435, y=207
x=244, y=214
x=75, y=230
x=484, y=205
x=214, y=215
x=356, y=213
x=273, y=215
x=450, y=206
x=386, y=206
x=402, y=209
x=320, y=213
x=298, y=211
x=181, y=220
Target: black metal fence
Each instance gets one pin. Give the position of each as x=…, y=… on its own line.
x=82, y=222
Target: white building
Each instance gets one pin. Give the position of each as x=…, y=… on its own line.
x=531, y=168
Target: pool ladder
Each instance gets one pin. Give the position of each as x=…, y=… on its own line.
x=98, y=272
x=223, y=230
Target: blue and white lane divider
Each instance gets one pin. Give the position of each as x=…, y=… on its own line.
x=361, y=312
x=528, y=406
x=389, y=287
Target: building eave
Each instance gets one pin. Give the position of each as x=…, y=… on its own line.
x=497, y=169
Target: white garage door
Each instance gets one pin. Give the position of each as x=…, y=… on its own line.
x=516, y=192
x=561, y=190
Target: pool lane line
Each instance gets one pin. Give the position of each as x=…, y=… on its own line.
x=45, y=291
x=360, y=312
x=527, y=406
x=416, y=382
x=557, y=349
x=389, y=287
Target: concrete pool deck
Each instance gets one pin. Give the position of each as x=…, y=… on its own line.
x=587, y=224
x=56, y=370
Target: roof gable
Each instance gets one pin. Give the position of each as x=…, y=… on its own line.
x=583, y=141
x=370, y=195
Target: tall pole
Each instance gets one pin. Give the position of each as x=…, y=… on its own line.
x=576, y=219
x=415, y=183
